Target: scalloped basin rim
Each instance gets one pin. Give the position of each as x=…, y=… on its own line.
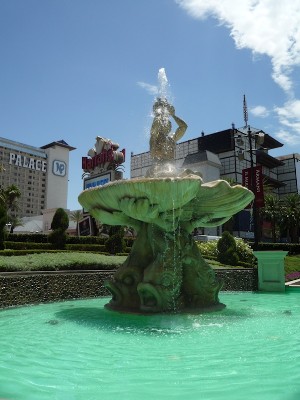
x=167, y=192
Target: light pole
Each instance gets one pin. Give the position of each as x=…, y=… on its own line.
x=259, y=135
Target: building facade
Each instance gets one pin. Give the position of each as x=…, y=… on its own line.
x=225, y=155
x=41, y=174
x=289, y=173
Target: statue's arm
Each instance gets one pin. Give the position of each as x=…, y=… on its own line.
x=182, y=126
x=180, y=131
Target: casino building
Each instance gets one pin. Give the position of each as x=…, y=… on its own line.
x=41, y=174
x=226, y=154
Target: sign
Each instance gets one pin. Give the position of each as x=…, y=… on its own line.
x=103, y=156
x=84, y=227
x=95, y=181
x=59, y=168
x=257, y=187
x=27, y=162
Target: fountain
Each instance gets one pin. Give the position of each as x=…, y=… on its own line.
x=165, y=271
x=80, y=350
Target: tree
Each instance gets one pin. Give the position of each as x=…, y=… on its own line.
x=59, y=225
x=8, y=206
x=3, y=222
x=291, y=215
x=272, y=212
x=10, y=196
x=76, y=216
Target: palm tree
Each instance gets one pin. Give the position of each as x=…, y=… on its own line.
x=9, y=202
x=272, y=212
x=291, y=215
x=76, y=216
x=9, y=197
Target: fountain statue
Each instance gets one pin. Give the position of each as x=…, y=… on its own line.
x=165, y=271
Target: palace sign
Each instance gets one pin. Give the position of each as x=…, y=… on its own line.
x=27, y=162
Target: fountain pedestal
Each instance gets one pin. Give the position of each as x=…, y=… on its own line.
x=271, y=276
x=165, y=271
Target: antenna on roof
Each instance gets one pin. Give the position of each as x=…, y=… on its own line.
x=245, y=111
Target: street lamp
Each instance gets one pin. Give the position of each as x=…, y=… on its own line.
x=259, y=138
x=8, y=227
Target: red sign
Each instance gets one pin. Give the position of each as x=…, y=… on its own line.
x=106, y=157
x=257, y=188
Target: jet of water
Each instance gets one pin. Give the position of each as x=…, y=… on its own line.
x=163, y=83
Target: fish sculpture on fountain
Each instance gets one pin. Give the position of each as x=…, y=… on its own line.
x=165, y=271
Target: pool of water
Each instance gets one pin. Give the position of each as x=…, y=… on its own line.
x=77, y=350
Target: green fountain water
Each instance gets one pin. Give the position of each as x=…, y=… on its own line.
x=78, y=350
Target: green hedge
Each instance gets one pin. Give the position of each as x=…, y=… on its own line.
x=9, y=252
x=26, y=237
x=86, y=240
x=43, y=238
x=60, y=261
x=97, y=248
x=27, y=246
x=292, y=248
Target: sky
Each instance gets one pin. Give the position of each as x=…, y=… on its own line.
x=75, y=69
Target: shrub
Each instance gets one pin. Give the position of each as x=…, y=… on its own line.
x=60, y=220
x=208, y=249
x=59, y=225
x=245, y=253
x=227, y=253
x=116, y=243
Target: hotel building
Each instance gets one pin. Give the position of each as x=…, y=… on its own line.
x=41, y=174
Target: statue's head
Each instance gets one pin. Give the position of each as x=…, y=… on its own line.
x=160, y=106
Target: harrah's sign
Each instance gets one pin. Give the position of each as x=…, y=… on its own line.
x=104, y=155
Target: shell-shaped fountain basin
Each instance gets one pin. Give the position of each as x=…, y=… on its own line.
x=161, y=200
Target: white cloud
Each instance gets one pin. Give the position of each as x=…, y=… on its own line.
x=264, y=26
x=289, y=118
x=259, y=111
x=151, y=89
x=286, y=137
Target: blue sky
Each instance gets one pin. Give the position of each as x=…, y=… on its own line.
x=75, y=69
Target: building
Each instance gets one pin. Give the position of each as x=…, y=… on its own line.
x=225, y=155
x=289, y=173
x=41, y=174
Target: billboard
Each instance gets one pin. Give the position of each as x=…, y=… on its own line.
x=99, y=180
x=85, y=227
x=257, y=187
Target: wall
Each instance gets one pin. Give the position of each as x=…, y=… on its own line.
x=33, y=287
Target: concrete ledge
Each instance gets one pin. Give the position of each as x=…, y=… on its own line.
x=32, y=287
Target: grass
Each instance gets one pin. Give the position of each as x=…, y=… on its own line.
x=81, y=260
x=292, y=267
x=59, y=261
